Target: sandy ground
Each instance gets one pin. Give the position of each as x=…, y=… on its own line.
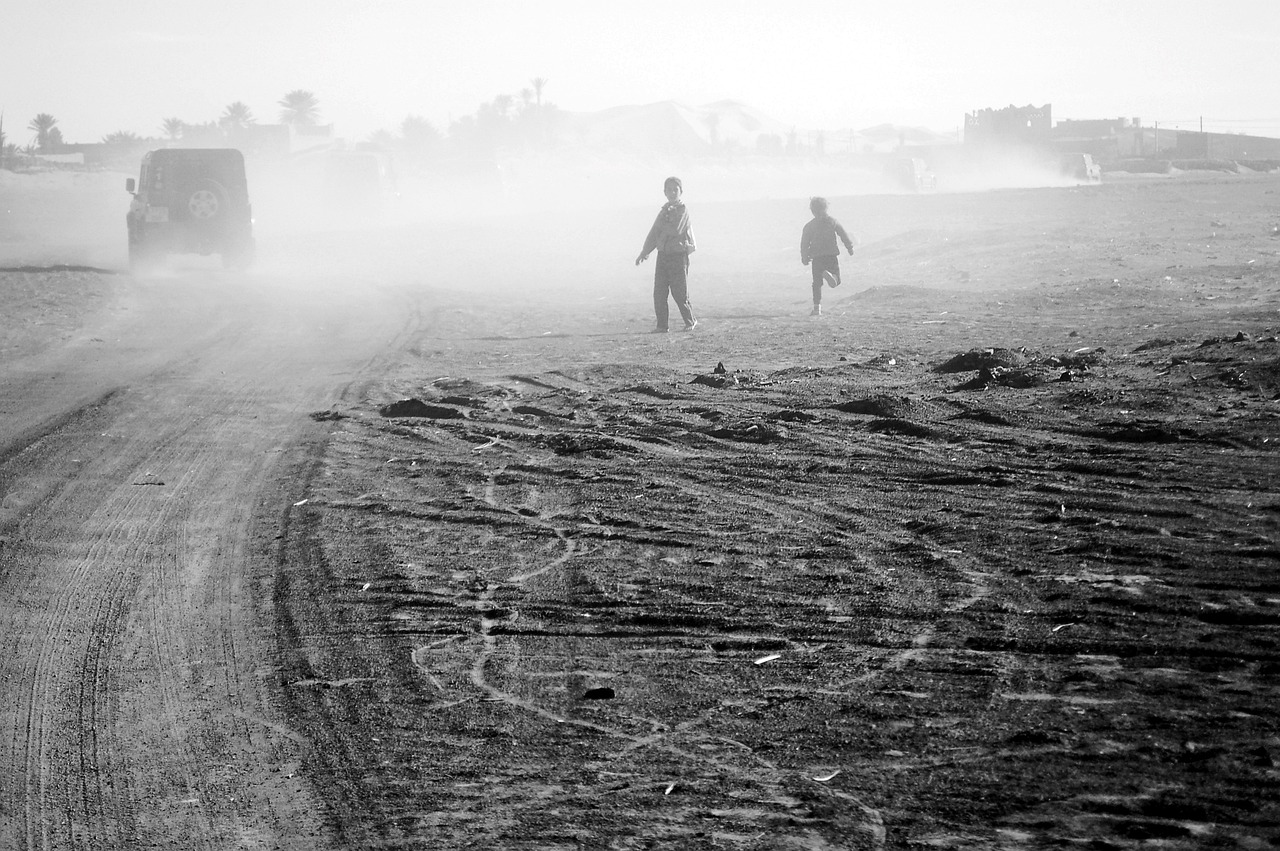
x=985, y=557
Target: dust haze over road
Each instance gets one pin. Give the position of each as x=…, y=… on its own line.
x=134, y=460
x=138, y=453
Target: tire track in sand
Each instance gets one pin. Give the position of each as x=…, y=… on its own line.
x=128, y=619
x=123, y=578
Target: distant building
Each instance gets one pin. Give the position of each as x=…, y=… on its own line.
x=1105, y=139
x=1225, y=146
x=1090, y=128
x=124, y=154
x=310, y=137
x=1013, y=125
x=1112, y=139
x=272, y=141
x=61, y=159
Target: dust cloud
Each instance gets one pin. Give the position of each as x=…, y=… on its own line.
x=63, y=218
x=569, y=224
x=575, y=224
x=559, y=225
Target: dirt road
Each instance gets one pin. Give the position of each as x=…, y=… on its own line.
x=139, y=460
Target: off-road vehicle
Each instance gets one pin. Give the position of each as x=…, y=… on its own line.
x=912, y=174
x=190, y=201
x=1080, y=167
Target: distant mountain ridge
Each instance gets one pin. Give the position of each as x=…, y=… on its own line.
x=670, y=127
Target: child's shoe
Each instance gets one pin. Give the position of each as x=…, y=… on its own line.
x=817, y=310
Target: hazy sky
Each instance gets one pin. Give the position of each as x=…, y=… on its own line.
x=100, y=66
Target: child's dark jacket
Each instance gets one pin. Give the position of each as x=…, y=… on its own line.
x=819, y=239
x=671, y=231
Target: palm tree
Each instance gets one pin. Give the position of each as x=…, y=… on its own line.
x=419, y=136
x=173, y=128
x=120, y=137
x=415, y=127
x=236, y=116
x=299, y=108
x=538, y=84
x=42, y=124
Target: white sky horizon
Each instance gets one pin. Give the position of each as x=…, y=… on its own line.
x=102, y=67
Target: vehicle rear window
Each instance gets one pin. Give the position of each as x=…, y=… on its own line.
x=225, y=167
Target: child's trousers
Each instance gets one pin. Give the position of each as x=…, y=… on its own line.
x=671, y=277
x=825, y=263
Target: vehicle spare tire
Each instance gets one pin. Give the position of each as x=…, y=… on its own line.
x=207, y=202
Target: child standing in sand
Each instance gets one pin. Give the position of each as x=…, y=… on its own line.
x=672, y=236
x=818, y=247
